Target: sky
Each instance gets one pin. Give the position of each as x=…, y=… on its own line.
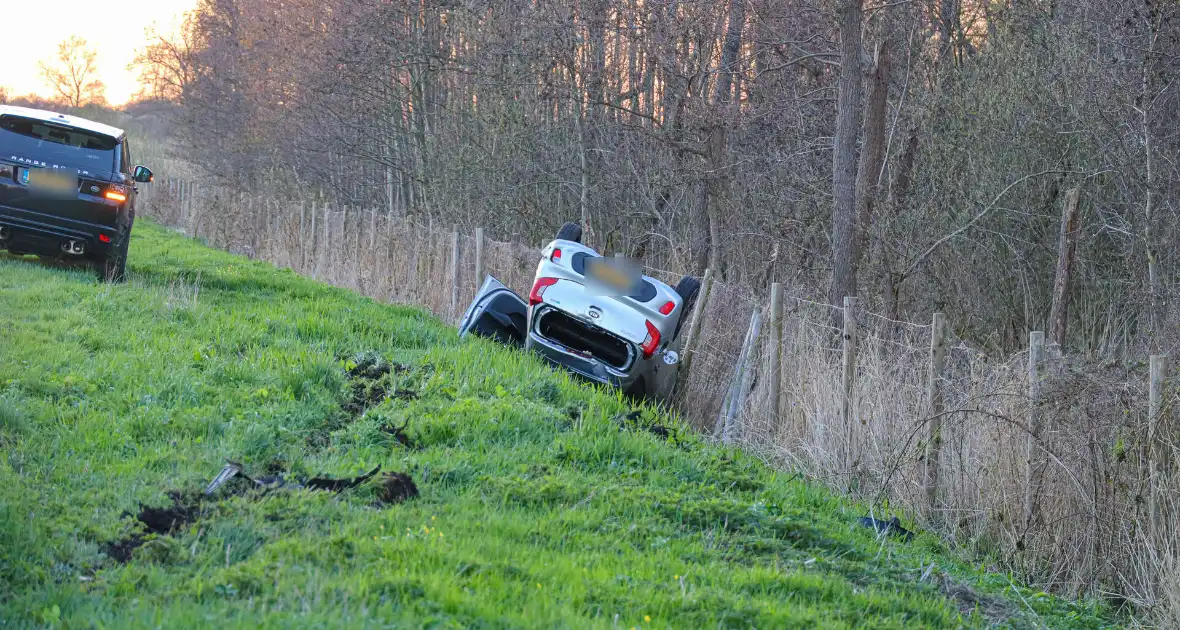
x=31, y=30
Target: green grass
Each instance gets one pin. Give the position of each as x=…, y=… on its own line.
x=536, y=509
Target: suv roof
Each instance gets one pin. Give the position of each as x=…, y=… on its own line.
x=72, y=121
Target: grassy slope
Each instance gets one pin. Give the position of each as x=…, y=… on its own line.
x=531, y=514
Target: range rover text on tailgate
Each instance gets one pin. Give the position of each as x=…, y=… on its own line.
x=67, y=189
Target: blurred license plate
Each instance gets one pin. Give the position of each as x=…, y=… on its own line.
x=608, y=276
x=52, y=182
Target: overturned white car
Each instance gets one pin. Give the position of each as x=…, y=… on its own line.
x=598, y=317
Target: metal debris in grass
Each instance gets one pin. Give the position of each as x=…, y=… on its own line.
x=233, y=469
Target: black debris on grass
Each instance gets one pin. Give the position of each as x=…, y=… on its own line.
x=892, y=526
x=634, y=421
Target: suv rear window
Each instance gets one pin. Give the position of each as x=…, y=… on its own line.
x=57, y=144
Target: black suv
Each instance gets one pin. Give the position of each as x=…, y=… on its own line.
x=67, y=189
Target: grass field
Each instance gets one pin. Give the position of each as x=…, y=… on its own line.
x=540, y=502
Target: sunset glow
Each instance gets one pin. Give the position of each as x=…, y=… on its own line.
x=30, y=32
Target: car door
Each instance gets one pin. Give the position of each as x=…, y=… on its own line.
x=496, y=313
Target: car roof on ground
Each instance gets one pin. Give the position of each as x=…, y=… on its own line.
x=64, y=119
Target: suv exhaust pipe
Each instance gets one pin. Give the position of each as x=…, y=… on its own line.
x=4, y=233
x=73, y=247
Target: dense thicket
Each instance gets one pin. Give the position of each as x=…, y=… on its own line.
x=719, y=134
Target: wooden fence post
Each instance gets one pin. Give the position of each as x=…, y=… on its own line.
x=302, y=238
x=735, y=395
x=934, y=406
x=1154, y=444
x=478, y=257
x=372, y=229
x=776, y=353
x=849, y=365
x=694, y=326
x=315, y=243
x=359, y=256
x=454, y=271
x=1036, y=360
x=1066, y=251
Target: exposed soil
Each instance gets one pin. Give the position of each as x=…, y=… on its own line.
x=397, y=487
x=157, y=520
x=164, y=520
x=121, y=550
x=996, y=609
x=369, y=384
x=340, y=485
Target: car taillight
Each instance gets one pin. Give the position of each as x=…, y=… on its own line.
x=556, y=257
x=667, y=308
x=651, y=342
x=538, y=292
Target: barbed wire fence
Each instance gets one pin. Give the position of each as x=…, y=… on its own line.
x=1046, y=460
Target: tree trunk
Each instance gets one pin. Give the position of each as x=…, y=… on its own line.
x=717, y=186
x=872, y=152
x=844, y=155
x=1066, y=249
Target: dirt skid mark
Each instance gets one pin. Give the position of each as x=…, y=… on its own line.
x=340, y=485
x=156, y=520
x=164, y=520
x=370, y=382
x=396, y=487
x=121, y=550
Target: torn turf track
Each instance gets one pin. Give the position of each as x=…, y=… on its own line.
x=186, y=509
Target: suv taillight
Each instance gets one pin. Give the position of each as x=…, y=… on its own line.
x=538, y=292
x=556, y=257
x=651, y=342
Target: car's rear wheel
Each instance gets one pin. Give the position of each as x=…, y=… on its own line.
x=113, y=268
x=570, y=232
x=688, y=288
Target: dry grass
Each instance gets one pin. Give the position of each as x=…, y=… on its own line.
x=1086, y=537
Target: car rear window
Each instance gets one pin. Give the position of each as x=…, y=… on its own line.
x=646, y=291
x=56, y=144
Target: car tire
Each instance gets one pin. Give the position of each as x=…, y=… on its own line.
x=113, y=268
x=688, y=288
x=570, y=232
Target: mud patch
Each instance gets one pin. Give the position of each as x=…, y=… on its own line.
x=396, y=488
x=164, y=520
x=121, y=550
x=995, y=609
x=160, y=521
x=369, y=382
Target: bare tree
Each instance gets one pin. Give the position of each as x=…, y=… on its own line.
x=165, y=65
x=71, y=74
x=844, y=154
